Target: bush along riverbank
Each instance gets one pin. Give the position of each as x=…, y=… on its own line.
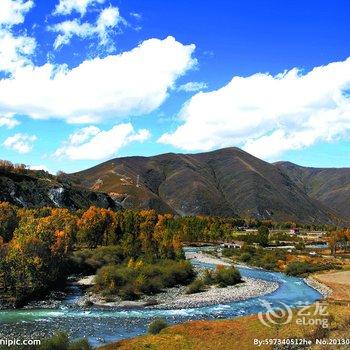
x=293, y=264
x=40, y=248
x=224, y=284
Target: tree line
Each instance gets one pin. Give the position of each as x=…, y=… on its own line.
x=37, y=245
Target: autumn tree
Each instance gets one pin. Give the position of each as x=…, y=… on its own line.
x=36, y=256
x=96, y=227
x=131, y=242
x=339, y=239
x=8, y=221
x=147, y=227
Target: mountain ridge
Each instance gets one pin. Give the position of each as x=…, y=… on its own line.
x=222, y=182
x=331, y=186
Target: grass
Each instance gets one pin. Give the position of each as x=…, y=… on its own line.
x=339, y=282
x=232, y=334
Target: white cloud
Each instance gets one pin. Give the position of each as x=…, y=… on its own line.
x=268, y=115
x=94, y=144
x=15, y=51
x=141, y=136
x=8, y=121
x=83, y=134
x=108, y=19
x=12, y=11
x=135, y=82
x=271, y=146
x=39, y=167
x=136, y=15
x=21, y=143
x=193, y=86
x=68, y=29
x=66, y=7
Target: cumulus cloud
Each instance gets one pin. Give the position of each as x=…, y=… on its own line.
x=15, y=51
x=267, y=114
x=22, y=143
x=108, y=19
x=91, y=143
x=193, y=86
x=83, y=134
x=8, y=121
x=135, y=82
x=12, y=12
x=66, y=7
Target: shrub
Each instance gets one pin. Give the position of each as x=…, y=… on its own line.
x=156, y=326
x=129, y=282
x=129, y=292
x=245, y=257
x=208, y=277
x=227, y=252
x=59, y=341
x=174, y=273
x=113, y=277
x=228, y=276
x=82, y=344
x=90, y=260
x=297, y=268
x=196, y=286
x=300, y=246
x=149, y=286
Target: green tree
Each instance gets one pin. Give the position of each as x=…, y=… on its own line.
x=263, y=238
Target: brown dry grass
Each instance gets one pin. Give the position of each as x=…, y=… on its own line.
x=232, y=334
x=339, y=282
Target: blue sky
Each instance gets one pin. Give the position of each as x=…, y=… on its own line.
x=83, y=81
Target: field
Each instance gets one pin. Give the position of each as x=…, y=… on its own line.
x=238, y=333
x=339, y=282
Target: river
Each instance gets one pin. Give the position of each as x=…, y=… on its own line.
x=107, y=325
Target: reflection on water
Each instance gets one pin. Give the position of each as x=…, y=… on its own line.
x=106, y=325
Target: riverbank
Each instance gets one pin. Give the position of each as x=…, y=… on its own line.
x=337, y=283
x=176, y=298
x=320, y=287
x=104, y=324
x=324, y=283
x=237, y=333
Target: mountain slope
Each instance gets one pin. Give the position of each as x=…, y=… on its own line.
x=331, y=186
x=38, y=189
x=223, y=182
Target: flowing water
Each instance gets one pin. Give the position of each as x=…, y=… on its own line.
x=106, y=325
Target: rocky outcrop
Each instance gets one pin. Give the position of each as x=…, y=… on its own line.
x=39, y=190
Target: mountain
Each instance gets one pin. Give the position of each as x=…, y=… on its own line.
x=331, y=186
x=30, y=188
x=222, y=182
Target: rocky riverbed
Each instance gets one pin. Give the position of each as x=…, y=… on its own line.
x=320, y=287
x=175, y=298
